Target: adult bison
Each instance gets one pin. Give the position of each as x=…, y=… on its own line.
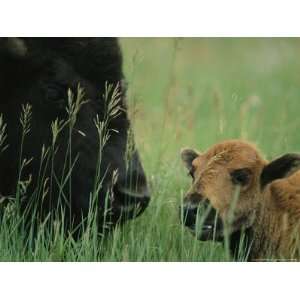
x=77, y=169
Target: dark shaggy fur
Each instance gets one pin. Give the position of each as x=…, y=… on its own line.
x=39, y=71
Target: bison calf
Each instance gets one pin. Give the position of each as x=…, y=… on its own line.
x=236, y=191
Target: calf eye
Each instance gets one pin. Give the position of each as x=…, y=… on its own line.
x=241, y=176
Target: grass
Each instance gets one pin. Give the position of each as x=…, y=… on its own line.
x=184, y=92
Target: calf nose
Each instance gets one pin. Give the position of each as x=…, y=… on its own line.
x=188, y=215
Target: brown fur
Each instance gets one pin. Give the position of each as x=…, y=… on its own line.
x=273, y=212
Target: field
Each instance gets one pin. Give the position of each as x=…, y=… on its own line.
x=187, y=92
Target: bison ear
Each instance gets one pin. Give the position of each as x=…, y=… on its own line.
x=279, y=168
x=15, y=47
x=187, y=156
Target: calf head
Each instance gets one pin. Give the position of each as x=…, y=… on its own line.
x=227, y=187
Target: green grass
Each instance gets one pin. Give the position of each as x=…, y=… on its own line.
x=185, y=92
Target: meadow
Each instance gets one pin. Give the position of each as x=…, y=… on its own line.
x=186, y=92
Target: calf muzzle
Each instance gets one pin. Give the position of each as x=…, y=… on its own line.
x=202, y=220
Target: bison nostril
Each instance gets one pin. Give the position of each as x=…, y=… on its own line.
x=132, y=200
x=137, y=192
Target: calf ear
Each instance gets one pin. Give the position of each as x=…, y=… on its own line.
x=187, y=156
x=280, y=168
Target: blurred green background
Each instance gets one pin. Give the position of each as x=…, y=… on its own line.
x=198, y=91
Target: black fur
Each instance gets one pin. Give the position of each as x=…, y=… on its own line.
x=279, y=168
x=39, y=71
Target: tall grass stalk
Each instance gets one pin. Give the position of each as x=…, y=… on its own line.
x=161, y=79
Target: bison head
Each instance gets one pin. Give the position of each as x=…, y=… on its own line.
x=40, y=71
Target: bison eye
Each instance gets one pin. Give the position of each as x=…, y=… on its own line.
x=241, y=176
